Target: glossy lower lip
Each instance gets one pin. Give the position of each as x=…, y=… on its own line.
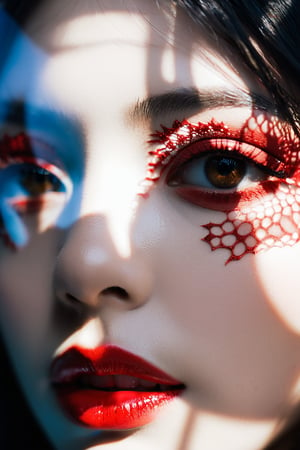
x=84, y=381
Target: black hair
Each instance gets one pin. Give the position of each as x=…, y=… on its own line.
x=21, y=10
x=265, y=35
x=18, y=427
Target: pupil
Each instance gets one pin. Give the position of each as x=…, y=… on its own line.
x=227, y=166
x=37, y=180
x=225, y=172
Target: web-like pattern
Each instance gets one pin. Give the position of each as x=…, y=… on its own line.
x=271, y=220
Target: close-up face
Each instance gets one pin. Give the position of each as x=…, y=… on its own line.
x=150, y=216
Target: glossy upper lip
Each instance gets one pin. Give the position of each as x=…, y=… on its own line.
x=104, y=362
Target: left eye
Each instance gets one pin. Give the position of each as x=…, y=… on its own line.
x=217, y=171
x=37, y=181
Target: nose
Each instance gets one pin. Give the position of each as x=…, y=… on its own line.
x=89, y=269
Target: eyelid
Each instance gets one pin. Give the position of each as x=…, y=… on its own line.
x=228, y=147
x=273, y=146
x=22, y=146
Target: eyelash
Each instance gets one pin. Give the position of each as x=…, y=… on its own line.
x=29, y=177
x=185, y=143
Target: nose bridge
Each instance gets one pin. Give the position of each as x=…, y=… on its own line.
x=98, y=256
x=89, y=267
x=114, y=171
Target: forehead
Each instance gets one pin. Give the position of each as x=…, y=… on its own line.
x=73, y=24
x=170, y=43
x=97, y=59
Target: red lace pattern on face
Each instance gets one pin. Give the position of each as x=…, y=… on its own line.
x=257, y=222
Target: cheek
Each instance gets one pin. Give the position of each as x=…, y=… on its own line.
x=14, y=224
x=21, y=289
x=270, y=222
x=26, y=300
x=278, y=272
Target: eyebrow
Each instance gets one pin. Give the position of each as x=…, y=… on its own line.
x=22, y=113
x=178, y=101
x=191, y=100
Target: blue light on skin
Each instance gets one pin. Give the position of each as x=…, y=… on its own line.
x=63, y=147
x=18, y=49
x=11, y=221
x=25, y=106
x=57, y=139
x=13, y=225
x=64, y=135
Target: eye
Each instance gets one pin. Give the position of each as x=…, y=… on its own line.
x=37, y=180
x=33, y=180
x=28, y=181
x=219, y=174
x=216, y=166
x=218, y=171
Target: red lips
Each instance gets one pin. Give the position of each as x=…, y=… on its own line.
x=110, y=388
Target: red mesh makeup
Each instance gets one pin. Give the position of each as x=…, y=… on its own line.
x=271, y=222
x=14, y=148
x=256, y=219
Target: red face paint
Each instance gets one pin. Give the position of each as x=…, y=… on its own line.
x=14, y=148
x=264, y=214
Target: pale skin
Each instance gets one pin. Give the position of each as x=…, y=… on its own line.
x=230, y=333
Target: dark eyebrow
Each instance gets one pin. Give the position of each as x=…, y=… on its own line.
x=20, y=113
x=190, y=100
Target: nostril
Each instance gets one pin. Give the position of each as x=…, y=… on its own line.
x=116, y=291
x=71, y=299
x=72, y=302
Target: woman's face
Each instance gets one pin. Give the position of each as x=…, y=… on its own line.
x=183, y=251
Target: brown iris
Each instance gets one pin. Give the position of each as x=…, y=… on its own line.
x=225, y=172
x=37, y=181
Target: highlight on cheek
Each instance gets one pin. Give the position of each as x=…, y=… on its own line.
x=260, y=216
